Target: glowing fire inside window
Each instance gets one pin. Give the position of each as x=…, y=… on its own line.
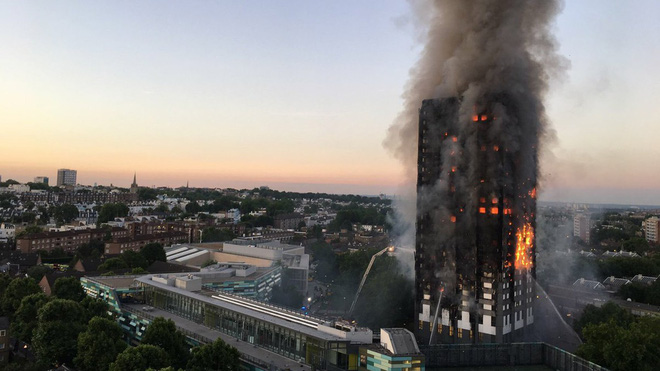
x=494, y=211
x=484, y=117
x=475, y=118
x=482, y=210
x=524, y=244
x=453, y=219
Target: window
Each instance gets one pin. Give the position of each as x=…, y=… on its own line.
x=451, y=331
x=3, y=332
x=421, y=325
x=460, y=333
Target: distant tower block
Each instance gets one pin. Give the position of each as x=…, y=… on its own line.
x=66, y=177
x=474, y=261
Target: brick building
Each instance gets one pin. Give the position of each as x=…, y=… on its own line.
x=68, y=241
x=119, y=245
x=288, y=221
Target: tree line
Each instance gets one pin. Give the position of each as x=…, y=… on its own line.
x=72, y=328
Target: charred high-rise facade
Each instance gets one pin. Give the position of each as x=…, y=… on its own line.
x=474, y=253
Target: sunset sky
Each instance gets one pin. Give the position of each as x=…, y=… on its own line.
x=297, y=95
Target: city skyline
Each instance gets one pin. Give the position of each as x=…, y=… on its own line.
x=295, y=97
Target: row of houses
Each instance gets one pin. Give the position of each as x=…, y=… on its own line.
x=612, y=284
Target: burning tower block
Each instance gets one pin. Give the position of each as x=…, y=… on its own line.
x=474, y=258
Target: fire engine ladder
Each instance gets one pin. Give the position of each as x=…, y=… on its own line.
x=364, y=279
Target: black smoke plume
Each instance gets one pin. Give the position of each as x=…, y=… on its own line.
x=495, y=55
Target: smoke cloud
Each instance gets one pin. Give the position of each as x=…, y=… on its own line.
x=495, y=55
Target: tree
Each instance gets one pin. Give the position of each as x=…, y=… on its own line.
x=636, y=244
x=25, y=318
x=94, y=308
x=110, y=211
x=112, y=264
x=620, y=347
x=140, y=358
x=215, y=356
x=94, y=248
x=213, y=234
x=17, y=289
x=193, y=207
x=99, y=345
x=592, y=315
x=163, y=333
x=55, y=340
x=153, y=252
x=65, y=213
x=38, y=272
x=133, y=259
x=147, y=194
x=68, y=288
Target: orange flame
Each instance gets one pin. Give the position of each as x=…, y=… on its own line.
x=525, y=238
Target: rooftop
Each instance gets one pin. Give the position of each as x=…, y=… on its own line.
x=304, y=324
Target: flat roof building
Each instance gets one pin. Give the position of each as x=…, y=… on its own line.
x=66, y=177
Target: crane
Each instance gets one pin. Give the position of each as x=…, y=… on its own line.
x=366, y=273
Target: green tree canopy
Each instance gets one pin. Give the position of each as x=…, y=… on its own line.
x=133, y=259
x=38, y=272
x=213, y=234
x=163, y=333
x=215, y=356
x=55, y=340
x=65, y=213
x=110, y=211
x=99, y=345
x=140, y=358
x=17, y=289
x=112, y=264
x=153, y=252
x=592, y=315
x=25, y=318
x=68, y=288
x=94, y=308
x=621, y=347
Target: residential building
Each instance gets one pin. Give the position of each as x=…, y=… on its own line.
x=651, y=227
x=66, y=177
x=474, y=255
x=19, y=188
x=288, y=221
x=7, y=232
x=582, y=227
x=41, y=179
x=121, y=244
x=69, y=241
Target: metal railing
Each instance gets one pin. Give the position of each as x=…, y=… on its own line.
x=513, y=354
